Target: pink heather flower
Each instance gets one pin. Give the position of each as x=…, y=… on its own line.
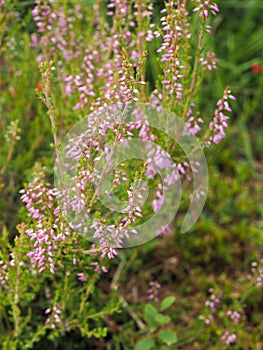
x=207, y=319
x=254, y=264
x=54, y=319
x=196, y=196
x=156, y=100
x=260, y=278
x=258, y=270
x=82, y=277
x=104, y=269
x=159, y=200
x=171, y=34
x=175, y=30
x=168, y=229
x=153, y=291
x=3, y=273
x=208, y=29
x=205, y=7
x=120, y=177
x=107, y=236
x=229, y=338
x=150, y=35
x=210, y=62
x=135, y=198
x=212, y=303
x=220, y=121
x=234, y=315
x=40, y=200
x=120, y=8
x=192, y=126
x=160, y=158
x=55, y=31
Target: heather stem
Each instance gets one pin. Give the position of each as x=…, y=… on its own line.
x=87, y=293
x=46, y=73
x=141, y=42
x=107, y=163
x=113, y=29
x=8, y=159
x=15, y=307
x=191, y=91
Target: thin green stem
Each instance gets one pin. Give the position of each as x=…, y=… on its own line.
x=191, y=91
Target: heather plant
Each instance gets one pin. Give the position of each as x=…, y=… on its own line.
x=90, y=65
x=126, y=76
x=224, y=313
x=223, y=320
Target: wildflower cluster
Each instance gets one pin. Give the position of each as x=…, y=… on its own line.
x=205, y=7
x=210, y=61
x=219, y=123
x=3, y=273
x=110, y=71
x=257, y=270
x=229, y=338
x=59, y=37
x=54, y=318
x=49, y=230
x=153, y=291
x=227, y=320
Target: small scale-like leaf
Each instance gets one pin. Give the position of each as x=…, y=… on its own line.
x=167, y=336
x=167, y=302
x=145, y=344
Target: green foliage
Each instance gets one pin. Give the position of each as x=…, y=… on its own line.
x=145, y=344
x=167, y=302
x=168, y=337
x=150, y=315
x=25, y=300
x=156, y=321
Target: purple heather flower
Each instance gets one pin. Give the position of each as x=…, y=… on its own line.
x=219, y=123
x=229, y=338
x=210, y=62
x=153, y=291
x=55, y=317
x=204, y=7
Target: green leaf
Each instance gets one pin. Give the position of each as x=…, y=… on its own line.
x=167, y=336
x=167, y=302
x=150, y=314
x=162, y=319
x=145, y=344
